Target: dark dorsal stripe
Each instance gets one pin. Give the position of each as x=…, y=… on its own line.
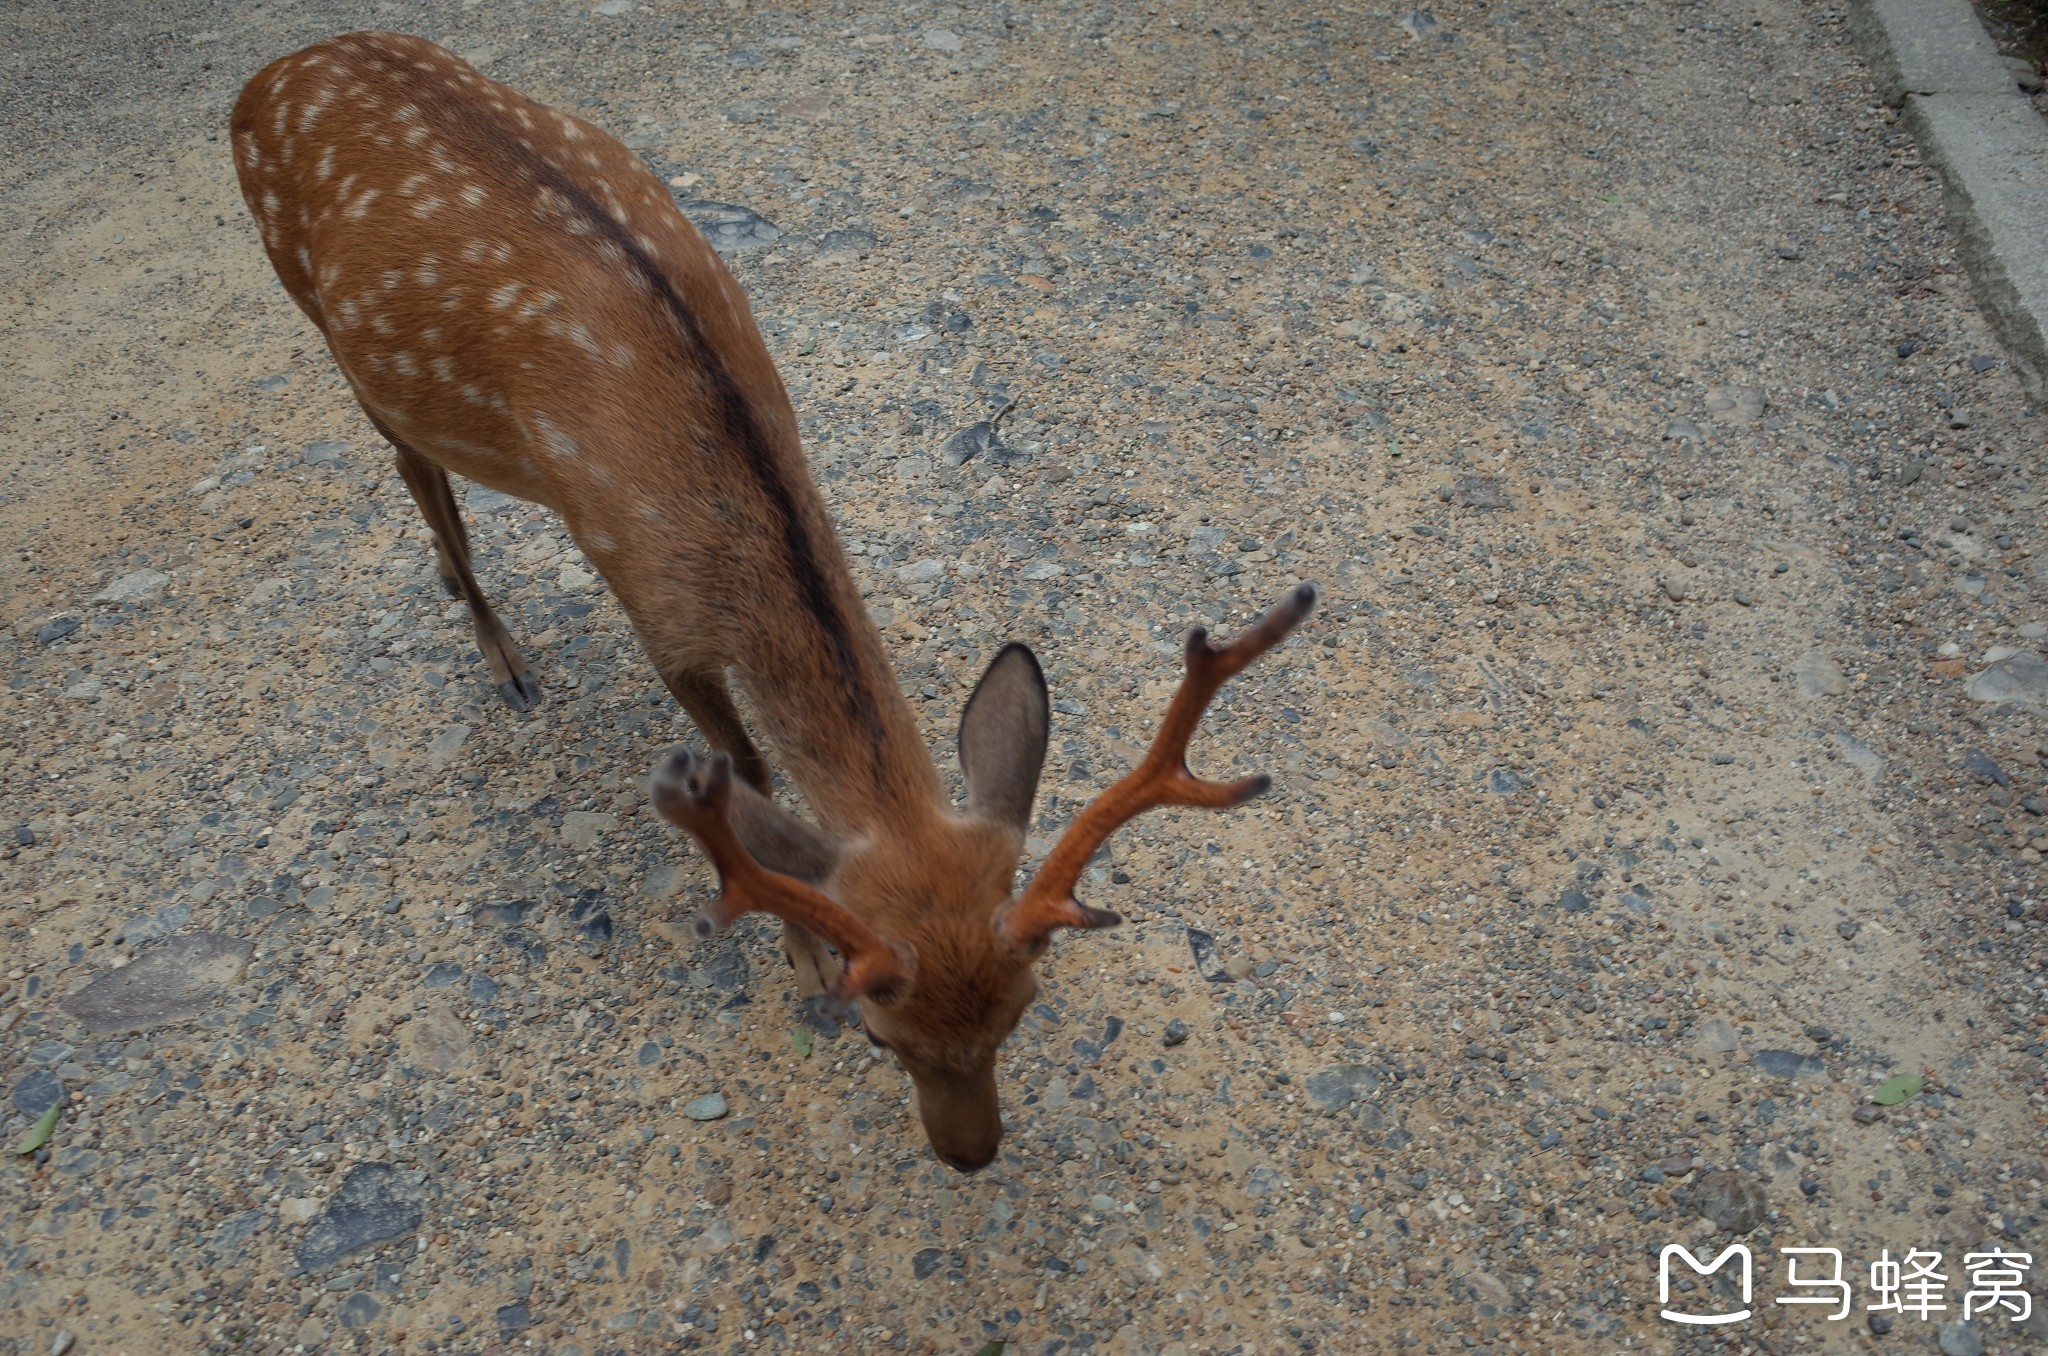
x=743, y=432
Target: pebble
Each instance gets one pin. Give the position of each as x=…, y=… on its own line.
x=1959, y=1339
x=374, y=1204
x=1336, y=1088
x=730, y=228
x=1735, y=1204
x=2021, y=678
x=1788, y=1064
x=710, y=1107
x=170, y=983
x=56, y=629
x=1715, y=1036
x=139, y=586
x=1820, y=676
x=1981, y=766
x=1176, y=1032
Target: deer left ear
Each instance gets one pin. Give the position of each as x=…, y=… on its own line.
x=1003, y=734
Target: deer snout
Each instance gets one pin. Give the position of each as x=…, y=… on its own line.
x=962, y=1118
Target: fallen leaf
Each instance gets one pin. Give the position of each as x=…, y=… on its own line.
x=1893, y=1091
x=39, y=1134
x=800, y=1037
x=992, y=1349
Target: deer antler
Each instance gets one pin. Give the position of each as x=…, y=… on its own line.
x=692, y=793
x=1162, y=779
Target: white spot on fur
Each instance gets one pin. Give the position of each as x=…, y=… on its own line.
x=503, y=295
x=404, y=365
x=426, y=207
x=444, y=368
x=473, y=194
x=558, y=442
x=601, y=541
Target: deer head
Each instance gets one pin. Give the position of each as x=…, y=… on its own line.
x=934, y=944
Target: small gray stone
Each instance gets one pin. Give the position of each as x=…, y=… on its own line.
x=710, y=1107
x=1338, y=1087
x=1820, y=676
x=1980, y=765
x=237, y=1230
x=357, y=1311
x=1715, y=1036
x=171, y=983
x=37, y=1093
x=440, y=975
x=1737, y=404
x=375, y=1203
x=2021, y=678
x=730, y=228
x=325, y=453
x=1788, y=1064
x=844, y=246
x=943, y=40
x=981, y=440
x=139, y=586
x=1176, y=1032
x=1478, y=492
x=55, y=629
x=581, y=828
x=1732, y=1201
x=1959, y=1339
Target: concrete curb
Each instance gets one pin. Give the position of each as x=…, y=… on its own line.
x=1934, y=63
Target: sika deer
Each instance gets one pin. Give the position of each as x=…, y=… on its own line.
x=514, y=297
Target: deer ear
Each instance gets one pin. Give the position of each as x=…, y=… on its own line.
x=1002, y=738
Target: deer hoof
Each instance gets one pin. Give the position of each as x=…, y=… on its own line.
x=521, y=692
x=451, y=585
x=823, y=1006
x=825, y=1023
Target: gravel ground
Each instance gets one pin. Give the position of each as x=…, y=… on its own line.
x=1663, y=771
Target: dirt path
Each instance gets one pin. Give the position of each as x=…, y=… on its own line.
x=1610, y=369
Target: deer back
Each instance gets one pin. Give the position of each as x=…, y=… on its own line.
x=514, y=295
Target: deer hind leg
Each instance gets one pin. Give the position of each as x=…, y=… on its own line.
x=515, y=680
x=709, y=702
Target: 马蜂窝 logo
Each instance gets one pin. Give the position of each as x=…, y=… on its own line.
x=1735, y=1250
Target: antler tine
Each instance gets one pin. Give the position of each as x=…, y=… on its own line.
x=692, y=793
x=1161, y=779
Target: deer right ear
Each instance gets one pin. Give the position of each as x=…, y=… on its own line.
x=1003, y=733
